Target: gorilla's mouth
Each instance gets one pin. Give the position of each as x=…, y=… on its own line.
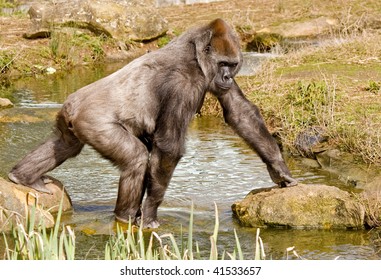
x=224, y=85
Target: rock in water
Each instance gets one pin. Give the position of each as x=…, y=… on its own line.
x=16, y=201
x=301, y=206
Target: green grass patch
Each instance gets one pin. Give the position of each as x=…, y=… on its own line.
x=71, y=48
x=7, y=4
x=6, y=61
x=374, y=87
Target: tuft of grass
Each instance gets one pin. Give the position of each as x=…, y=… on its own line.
x=71, y=48
x=308, y=102
x=36, y=242
x=371, y=202
x=163, y=41
x=6, y=60
x=259, y=248
x=7, y=4
x=373, y=87
x=132, y=245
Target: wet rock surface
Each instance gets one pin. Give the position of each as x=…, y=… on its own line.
x=289, y=33
x=302, y=206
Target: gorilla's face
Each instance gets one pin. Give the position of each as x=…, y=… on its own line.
x=223, y=80
x=219, y=56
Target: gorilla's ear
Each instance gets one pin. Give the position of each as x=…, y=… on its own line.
x=203, y=49
x=203, y=41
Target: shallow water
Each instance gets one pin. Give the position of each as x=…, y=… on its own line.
x=218, y=168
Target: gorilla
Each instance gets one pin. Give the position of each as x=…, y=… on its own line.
x=138, y=116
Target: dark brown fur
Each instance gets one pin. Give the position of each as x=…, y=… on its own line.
x=138, y=117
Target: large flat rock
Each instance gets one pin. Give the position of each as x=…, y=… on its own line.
x=301, y=206
x=123, y=20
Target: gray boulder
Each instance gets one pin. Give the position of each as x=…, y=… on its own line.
x=16, y=201
x=124, y=20
x=302, y=206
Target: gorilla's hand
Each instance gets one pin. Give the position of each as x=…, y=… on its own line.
x=280, y=175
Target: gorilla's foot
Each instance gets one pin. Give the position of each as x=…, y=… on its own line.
x=288, y=182
x=138, y=222
x=120, y=219
x=38, y=185
x=125, y=220
x=152, y=224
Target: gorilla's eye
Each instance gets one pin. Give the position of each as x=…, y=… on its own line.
x=227, y=64
x=223, y=64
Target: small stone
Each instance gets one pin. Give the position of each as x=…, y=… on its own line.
x=50, y=70
x=5, y=103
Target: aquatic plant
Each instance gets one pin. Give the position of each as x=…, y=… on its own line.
x=132, y=245
x=36, y=242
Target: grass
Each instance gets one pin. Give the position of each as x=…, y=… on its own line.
x=71, y=48
x=64, y=50
x=35, y=242
x=374, y=87
x=133, y=244
x=129, y=242
x=6, y=60
x=7, y=4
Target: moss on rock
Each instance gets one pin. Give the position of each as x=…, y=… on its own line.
x=302, y=206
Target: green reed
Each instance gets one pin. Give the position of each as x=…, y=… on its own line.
x=35, y=242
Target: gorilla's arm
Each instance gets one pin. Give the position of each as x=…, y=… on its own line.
x=245, y=118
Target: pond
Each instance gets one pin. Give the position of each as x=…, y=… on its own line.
x=218, y=167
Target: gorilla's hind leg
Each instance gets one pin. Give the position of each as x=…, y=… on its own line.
x=53, y=152
x=132, y=162
x=161, y=168
x=117, y=144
